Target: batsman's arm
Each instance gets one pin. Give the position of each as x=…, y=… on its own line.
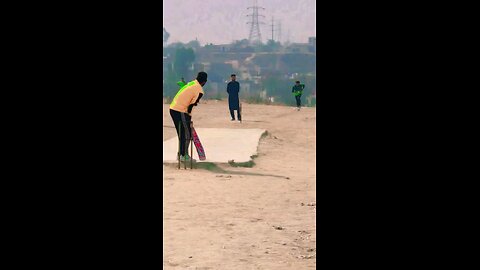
x=194, y=104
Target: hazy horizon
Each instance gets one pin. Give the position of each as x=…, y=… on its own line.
x=222, y=21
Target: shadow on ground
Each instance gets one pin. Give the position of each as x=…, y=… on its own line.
x=212, y=167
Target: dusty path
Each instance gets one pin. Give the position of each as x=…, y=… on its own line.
x=214, y=220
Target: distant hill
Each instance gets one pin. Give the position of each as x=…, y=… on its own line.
x=221, y=21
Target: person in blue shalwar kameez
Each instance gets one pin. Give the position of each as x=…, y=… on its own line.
x=233, y=87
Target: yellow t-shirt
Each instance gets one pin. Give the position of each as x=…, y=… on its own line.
x=186, y=96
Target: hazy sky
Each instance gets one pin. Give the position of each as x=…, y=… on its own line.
x=221, y=21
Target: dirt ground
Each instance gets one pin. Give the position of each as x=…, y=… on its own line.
x=245, y=218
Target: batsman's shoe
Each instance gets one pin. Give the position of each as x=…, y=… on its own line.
x=186, y=158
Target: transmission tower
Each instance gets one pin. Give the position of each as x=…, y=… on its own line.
x=255, y=36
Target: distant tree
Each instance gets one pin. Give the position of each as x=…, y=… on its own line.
x=242, y=46
x=270, y=46
x=193, y=44
x=240, y=43
x=220, y=72
x=183, y=59
x=170, y=87
x=176, y=45
x=168, y=51
x=166, y=35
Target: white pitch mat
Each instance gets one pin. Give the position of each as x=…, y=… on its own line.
x=220, y=145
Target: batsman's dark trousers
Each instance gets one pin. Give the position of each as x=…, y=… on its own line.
x=182, y=125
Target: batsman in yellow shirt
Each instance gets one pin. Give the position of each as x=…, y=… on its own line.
x=181, y=110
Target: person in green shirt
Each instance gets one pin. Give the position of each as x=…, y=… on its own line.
x=181, y=83
x=297, y=90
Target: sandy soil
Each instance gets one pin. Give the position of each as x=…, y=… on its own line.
x=245, y=218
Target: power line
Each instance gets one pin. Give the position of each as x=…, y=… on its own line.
x=279, y=31
x=272, y=29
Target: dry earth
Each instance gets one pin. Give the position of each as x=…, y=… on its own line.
x=245, y=218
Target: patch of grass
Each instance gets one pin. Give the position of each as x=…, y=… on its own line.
x=248, y=164
x=209, y=166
